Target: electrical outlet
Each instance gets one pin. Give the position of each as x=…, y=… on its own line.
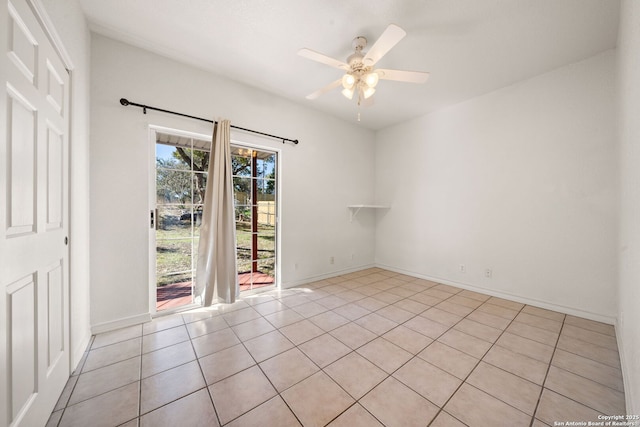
x=331, y=260
x=463, y=269
x=488, y=273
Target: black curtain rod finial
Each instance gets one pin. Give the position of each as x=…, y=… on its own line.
x=124, y=101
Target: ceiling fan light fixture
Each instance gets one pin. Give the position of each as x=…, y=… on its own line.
x=348, y=81
x=367, y=92
x=348, y=92
x=371, y=79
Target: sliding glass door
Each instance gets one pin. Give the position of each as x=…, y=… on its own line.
x=255, y=194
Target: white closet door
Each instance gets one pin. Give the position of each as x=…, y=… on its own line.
x=34, y=266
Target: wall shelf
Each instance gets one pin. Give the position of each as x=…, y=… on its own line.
x=354, y=209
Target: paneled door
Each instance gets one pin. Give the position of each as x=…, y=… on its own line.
x=34, y=279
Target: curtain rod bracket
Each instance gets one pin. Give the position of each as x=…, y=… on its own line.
x=126, y=102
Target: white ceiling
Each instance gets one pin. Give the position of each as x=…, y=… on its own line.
x=470, y=47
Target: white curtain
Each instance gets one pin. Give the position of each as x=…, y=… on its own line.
x=216, y=274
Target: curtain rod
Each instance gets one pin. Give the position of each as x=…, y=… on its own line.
x=126, y=102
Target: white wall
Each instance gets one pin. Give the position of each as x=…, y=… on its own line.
x=522, y=180
x=69, y=22
x=629, y=244
x=330, y=168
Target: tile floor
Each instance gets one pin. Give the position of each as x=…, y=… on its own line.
x=369, y=348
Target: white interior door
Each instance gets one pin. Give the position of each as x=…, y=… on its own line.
x=34, y=318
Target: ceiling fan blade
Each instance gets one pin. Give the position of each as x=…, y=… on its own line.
x=403, y=76
x=391, y=36
x=323, y=59
x=325, y=89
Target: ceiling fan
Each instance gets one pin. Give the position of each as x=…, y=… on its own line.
x=360, y=76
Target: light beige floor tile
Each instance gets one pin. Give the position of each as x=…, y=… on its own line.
x=489, y=319
x=594, y=352
x=105, y=379
x=438, y=293
x=355, y=416
x=403, y=292
x=585, y=391
x=268, y=345
x=269, y=307
x=257, y=298
x=411, y=306
x=533, y=333
x=273, y=412
x=353, y=335
x=449, y=359
x=371, y=303
x=368, y=291
x=215, y=341
x=603, y=340
x=164, y=338
x=300, y=332
x=197, y=314
x=387, y=297
x=538, y=423
x=476, y=408
x=309, y=309
x=324, y=350
x=351, y=311
x=106, y=410
x=228, y=308
x=525, y=346
x=331, y=302
x=384, y=354
x=118, y=335
x=478, y=330
x=240, y=393
x=317, y=400
x=167, y=358
x=294, y=300
x=506, y=303
x=376, y=323
x=556, y=408
x=395, y=314
x=444, y=419
x=407, y=339
x=283, y=318
x=474, y=295
x=427, y=299
x=206, y=326
x=162, y=323
x=395, y=404
x=351, y=295
x=497, y=310
x=596, y=371
x=355, y=374
x=427, y=327
x=431, y=382
x=194, y=410
x=240, y=316
x=252, y=328
x=467, y=302
x=170, y=385
x=511, y=389
x=288, y=368
x=447, y=288
x=454, y=308
x=466, y=343
x=541, y=312
x=590, y=325
x=518, y=364
x=225, y=363
x=539, y=322
x=329, y=320
x=441, y=316
x=113, y=353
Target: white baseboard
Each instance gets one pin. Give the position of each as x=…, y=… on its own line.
x=120, y=323
x=632, y=405
x=598, y=317
x=325, y=276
